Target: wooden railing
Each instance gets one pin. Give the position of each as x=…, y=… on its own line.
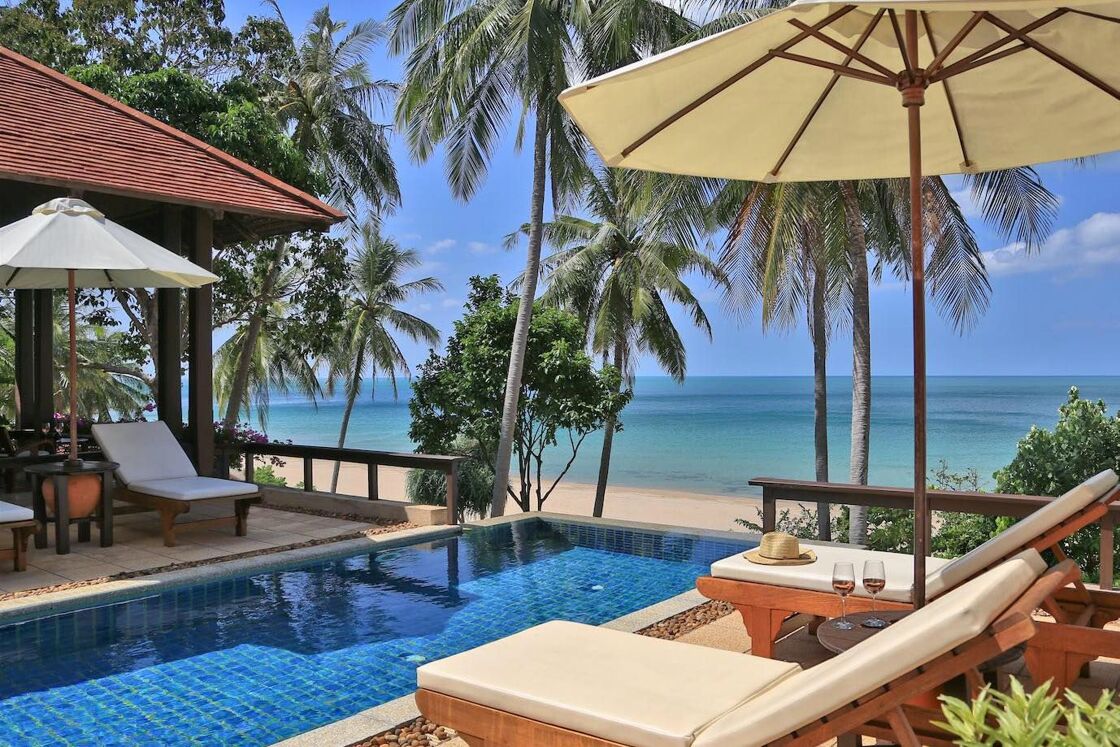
x=448, y=465
x=984, y=504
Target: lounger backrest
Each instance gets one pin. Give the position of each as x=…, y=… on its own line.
x=145, y=451
x=957, y=617
x=1020, y=534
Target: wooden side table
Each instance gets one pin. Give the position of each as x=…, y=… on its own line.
x=838, y=641
x=59, y=473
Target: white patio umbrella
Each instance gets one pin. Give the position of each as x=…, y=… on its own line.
x=813, y=92
x=67, y=243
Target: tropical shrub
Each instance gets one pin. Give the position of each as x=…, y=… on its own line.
x=1022, y=719
x=1085, y=440
x=266, y=475
x=476, y=484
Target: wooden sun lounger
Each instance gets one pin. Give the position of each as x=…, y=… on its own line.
x=20, y=521
x=155, y=474
x=880, y=707
x=765, y=606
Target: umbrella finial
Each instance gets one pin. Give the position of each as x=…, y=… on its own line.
x=69, y=206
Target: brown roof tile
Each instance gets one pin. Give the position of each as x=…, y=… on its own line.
x=57, y=131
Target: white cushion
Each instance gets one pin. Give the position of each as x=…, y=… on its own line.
x=947, y=622
x=1021, y=533
x=11, y=512
x=818, y=576
x=617, y=686
x=144, y=451
x=193, y=488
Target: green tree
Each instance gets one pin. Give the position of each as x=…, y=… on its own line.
x=459, y=395
x=622, y=268
x=373, y=316
x=1085, y=440
x=328, y=99
x=473, y=66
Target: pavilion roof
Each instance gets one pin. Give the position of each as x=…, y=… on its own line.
x=57, y=131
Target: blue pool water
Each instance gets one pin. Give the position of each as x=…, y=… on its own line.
x=249, y=661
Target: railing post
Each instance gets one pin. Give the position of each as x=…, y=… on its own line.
x=453, y=493
x=308, y=474
x=769, y=511
x=250, y=465
x=371, y=480
x=1108, y=550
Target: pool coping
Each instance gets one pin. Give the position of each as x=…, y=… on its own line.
x=111, y=592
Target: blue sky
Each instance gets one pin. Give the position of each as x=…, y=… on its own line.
x=1051, y=314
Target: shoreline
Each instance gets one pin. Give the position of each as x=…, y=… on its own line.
x=652, y=505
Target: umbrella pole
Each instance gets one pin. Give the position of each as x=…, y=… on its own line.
x=72, y=294
x=913, y=98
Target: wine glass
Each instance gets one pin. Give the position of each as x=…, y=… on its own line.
x=874, y=580
x=843, y=583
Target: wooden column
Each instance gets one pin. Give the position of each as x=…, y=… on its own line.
x=43, y=355
x=169, y=373
x=200, y=346
x=25, y=358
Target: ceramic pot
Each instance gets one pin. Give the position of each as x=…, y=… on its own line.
x=84, y=493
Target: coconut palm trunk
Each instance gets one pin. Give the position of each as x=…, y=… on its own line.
x=861, y=357
x=351, y=397
x=818, y=323
x=239, y=387
x=524, y=316
x=608, y=436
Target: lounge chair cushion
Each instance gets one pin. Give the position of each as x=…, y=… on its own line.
x=617, y=686
x=10, y=512
x=1020, y=534
x=818, y=576
x=145, y=451
x=947, y=622
x=193, y=488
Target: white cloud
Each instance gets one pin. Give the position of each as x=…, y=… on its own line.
x=1080, y=249
x=430, y=267
x=969, y=208
x=450, y=302
x=423, y=306
x=481, y=247
x=439, y=246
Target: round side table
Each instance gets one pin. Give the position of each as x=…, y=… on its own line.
x=838, y=641
x=59, y=473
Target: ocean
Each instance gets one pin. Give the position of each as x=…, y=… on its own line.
x=713, y=433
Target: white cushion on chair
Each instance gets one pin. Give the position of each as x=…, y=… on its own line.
x=1021, y=533
x=145, y=451
x=10, y=512
x=617, y=686
x=194, y=488
x=945, y=623
x=817, y=576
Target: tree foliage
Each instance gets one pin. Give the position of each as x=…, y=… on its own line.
x=563, y=397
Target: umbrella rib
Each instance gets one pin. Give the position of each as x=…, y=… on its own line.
x=953, y=70
x=835, y=15
x=976, y=17
x=836, y=68
x=849, y=51
x=1050, y=53
x=824, y=95
x=901, y=44
x=108, y=276
x=965, y=63
x=12, y=277
x=940, y=57
x=1098, y=16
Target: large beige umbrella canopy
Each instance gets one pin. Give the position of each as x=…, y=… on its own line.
x=67, y=243
x=871, y=89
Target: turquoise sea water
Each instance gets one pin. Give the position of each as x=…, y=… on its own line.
x=712, y=434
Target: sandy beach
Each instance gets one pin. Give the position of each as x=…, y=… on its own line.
x=653, y=505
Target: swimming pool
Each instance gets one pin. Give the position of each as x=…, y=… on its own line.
x=256, y=659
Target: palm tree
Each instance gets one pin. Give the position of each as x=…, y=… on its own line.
x=274, y=366
x=373, y=317
x=473, y=66
x=329, y=100
x=621, y=268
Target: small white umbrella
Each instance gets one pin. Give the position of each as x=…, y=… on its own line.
x=67, y=243
x=866, y=89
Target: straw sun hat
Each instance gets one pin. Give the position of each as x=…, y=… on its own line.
x=779, y=548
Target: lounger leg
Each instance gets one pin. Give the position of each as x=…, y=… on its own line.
x=241, y=510
x=167, y=518
x=472, y=741
x=902, y=729
x=19, y=547
x=762, y=625
x=1060, y=668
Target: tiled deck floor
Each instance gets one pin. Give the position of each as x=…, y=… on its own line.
x=138, y=545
